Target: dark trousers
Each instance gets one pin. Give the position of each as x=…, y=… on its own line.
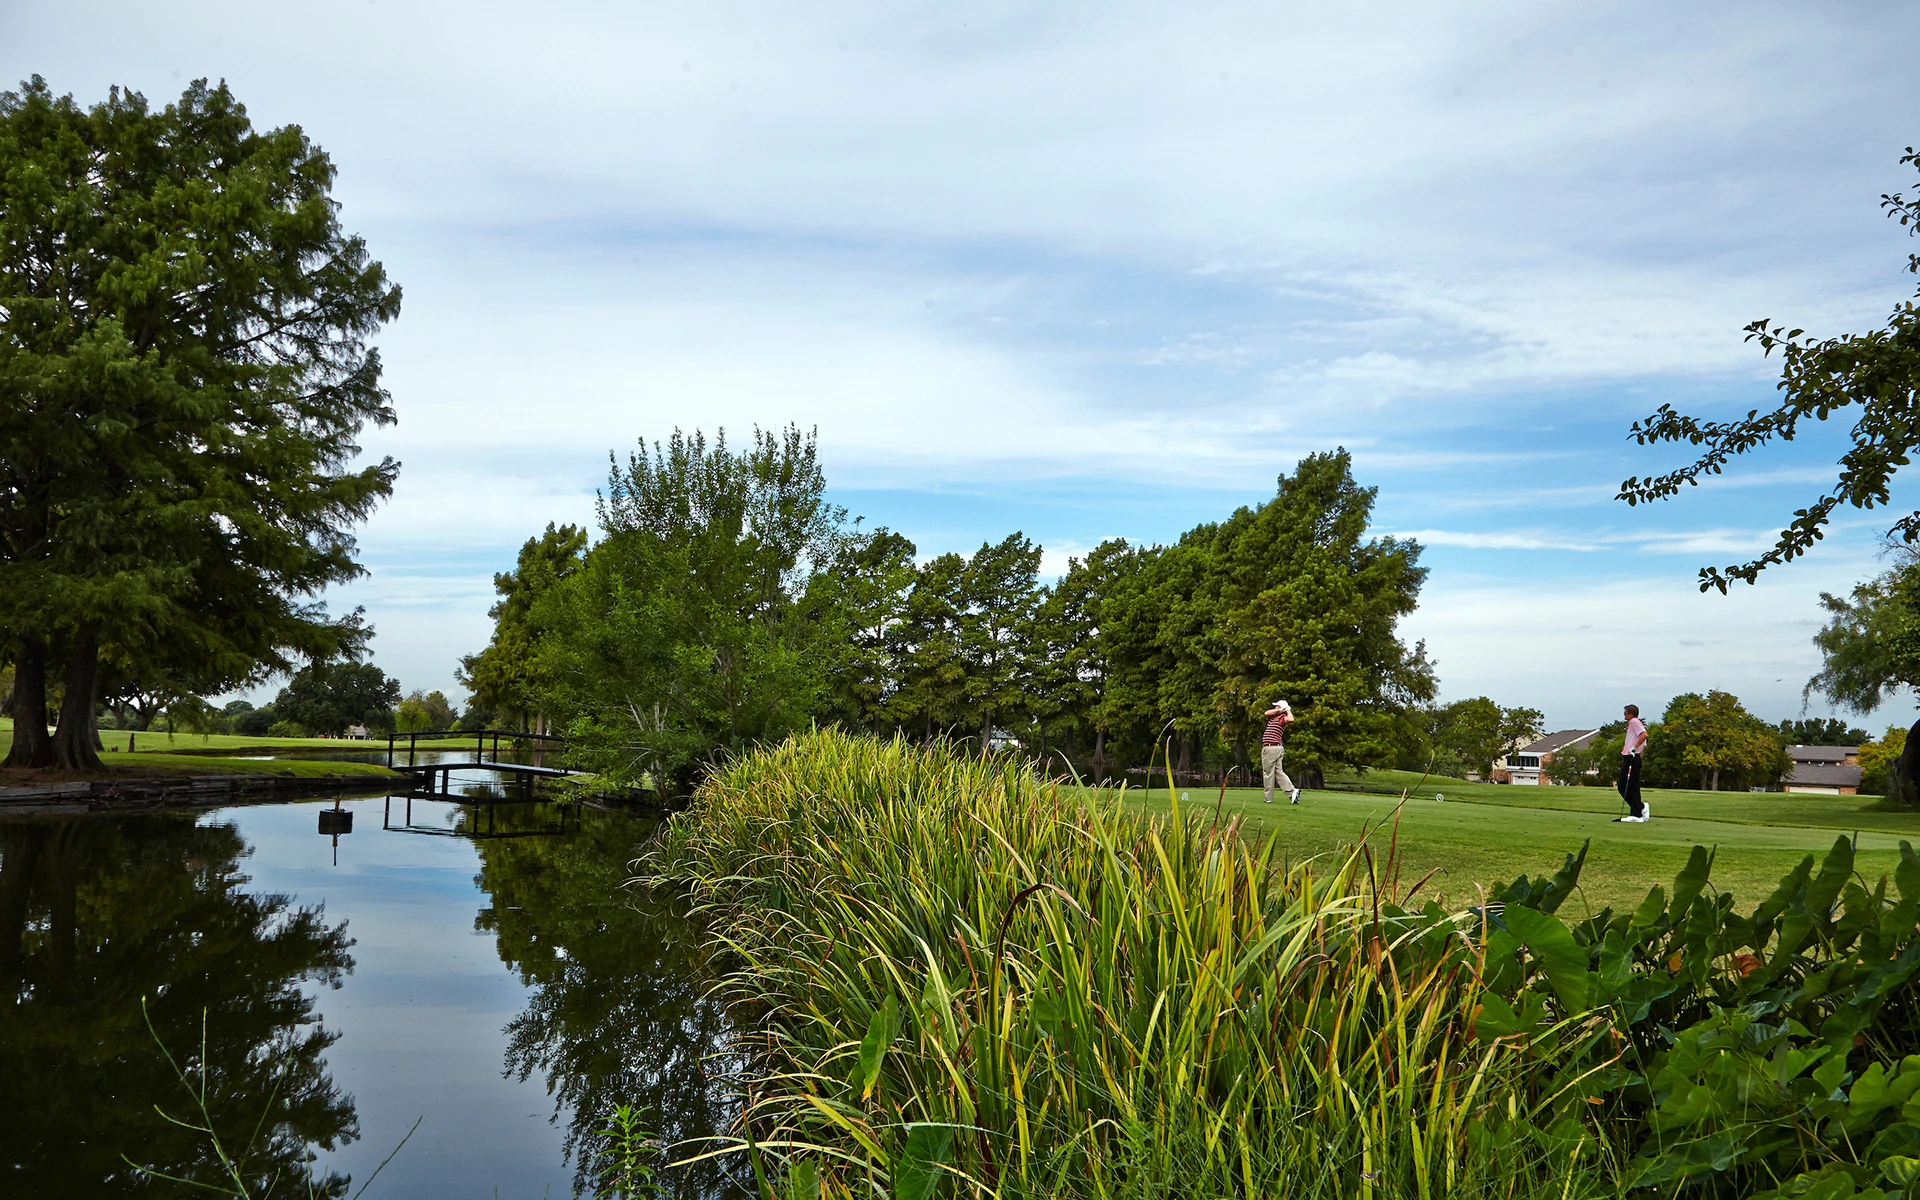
x=1629, y=784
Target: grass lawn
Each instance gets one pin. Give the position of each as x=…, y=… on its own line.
x=1483, y=833
x=195, y=755
x=159, y=742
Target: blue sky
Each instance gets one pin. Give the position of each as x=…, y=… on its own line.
x=1097, y=270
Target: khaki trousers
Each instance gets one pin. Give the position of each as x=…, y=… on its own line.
x=1271, y=772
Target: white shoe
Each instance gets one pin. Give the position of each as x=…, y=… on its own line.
x=1646, y=811
x=1269, y=797
x=1295, y=797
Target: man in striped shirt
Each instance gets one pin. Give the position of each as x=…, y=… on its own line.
x=1273, y=749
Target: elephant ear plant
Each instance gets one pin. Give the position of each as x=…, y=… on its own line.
x=1772, y=1054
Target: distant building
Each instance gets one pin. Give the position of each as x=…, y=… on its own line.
x=1823, y=770
x=1527, y=766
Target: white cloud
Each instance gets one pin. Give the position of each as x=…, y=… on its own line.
x=991, y=245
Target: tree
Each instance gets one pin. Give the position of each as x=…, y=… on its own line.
x=1478, y=731
x=186, y=367
x=502, y=676
x=1877, y=372
x=326, y=698
x=999, y=591
x=680, y=638
x=1309, y=611
x=927, y=649
x=1821, y=731
x=863, y=595
x=1074, y=654
x=423, y=712
x=1877, y=759
x=1869, y=650
x=1714, y=735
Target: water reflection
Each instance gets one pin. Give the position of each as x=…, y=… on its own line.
x=597, y=995
x=619, y=1011
x=96, y=914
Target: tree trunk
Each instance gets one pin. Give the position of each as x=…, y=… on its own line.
x=1099, y=755
x=75, y=738
x=1186, y=755
x=31, y=745
x=1716, y=780
x=986, y=730
x=19, y=858
x=1903, y=786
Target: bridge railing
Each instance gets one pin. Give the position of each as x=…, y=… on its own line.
x=413, y=740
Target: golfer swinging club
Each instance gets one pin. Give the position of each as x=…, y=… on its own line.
x=1273, y=749
x=1630, y=754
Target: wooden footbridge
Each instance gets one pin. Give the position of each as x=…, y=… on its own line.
x=423, y=773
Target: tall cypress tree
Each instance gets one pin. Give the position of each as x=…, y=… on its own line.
x=183, y=372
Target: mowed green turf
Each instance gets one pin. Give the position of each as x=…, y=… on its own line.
x=192, y=754
x=1484, y=833
x=158, y=741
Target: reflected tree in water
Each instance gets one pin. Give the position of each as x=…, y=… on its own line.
x=620, y=1012
x=96, y=913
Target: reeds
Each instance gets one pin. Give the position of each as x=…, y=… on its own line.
x=978, y=983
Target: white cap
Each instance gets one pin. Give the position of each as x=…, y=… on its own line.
x=1282, y=705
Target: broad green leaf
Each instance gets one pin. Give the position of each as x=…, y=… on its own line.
x=803, y=1180
x=1834, y=874
x=873, y=1047
x=1691, y=879
x=1564, y=880
x=917, y=1176
x=1650, y=909
x=1563, y=960
x=1495, y=1018
x=1900, y=1171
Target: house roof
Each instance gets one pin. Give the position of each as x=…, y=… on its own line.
x=1821, y=775
x=1820, y=754
x=1558, y=741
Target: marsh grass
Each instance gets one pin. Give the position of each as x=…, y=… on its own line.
x=974, y=982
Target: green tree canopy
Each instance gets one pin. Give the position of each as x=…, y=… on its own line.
x=1716, y=738
x=326, y=698
x=1869, y=651
x=1875, y=374
x=1477, y=732
x=185, y=366
x=423, y=712
x=502, y=676
x=1821, y=731
x=682, y=636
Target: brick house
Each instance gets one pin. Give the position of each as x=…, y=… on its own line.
x=1527, y=765
x=1823, y=770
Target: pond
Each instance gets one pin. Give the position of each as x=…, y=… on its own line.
x=477, y=968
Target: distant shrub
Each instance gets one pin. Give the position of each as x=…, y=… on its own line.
x=1876, y=759
x=287, y=729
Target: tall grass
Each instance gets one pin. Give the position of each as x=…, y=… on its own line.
x=977, y=983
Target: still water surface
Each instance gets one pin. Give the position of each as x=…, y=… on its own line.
x=502, y=989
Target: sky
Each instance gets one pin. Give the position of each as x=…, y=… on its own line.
x=1107, y=270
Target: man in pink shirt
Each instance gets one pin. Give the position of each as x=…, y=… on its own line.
x=1630, y=752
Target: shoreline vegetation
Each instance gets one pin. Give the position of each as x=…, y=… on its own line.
x=976, y=982
x=157, y=752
